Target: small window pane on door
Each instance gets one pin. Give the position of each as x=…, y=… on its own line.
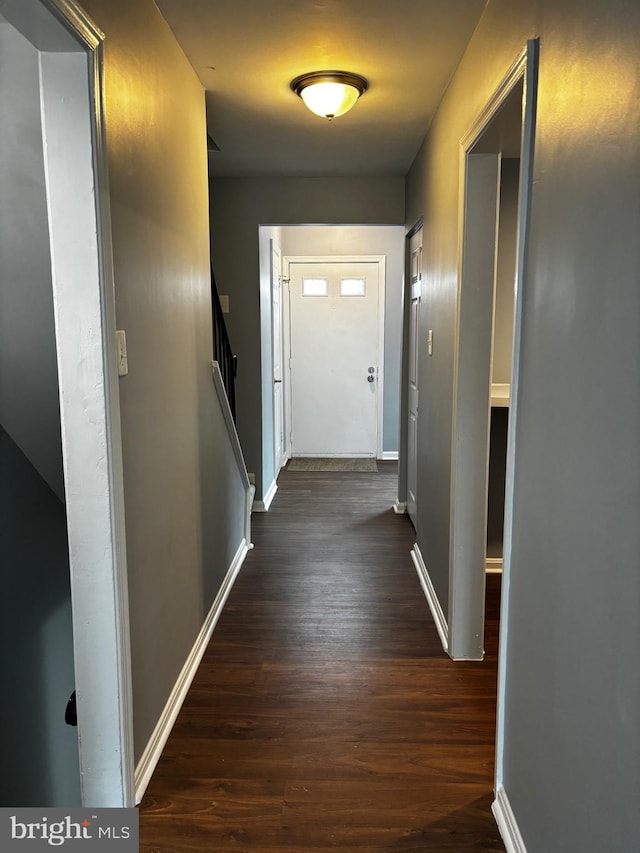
x=352, y=287
x=314, y=287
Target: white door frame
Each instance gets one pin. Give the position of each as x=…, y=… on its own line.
x=381, y=261
x=84, y=310
x=472, y=370
x=414, y=292
x=471, y=410
x=531, y=62
x=277, y=341
x=466, y=613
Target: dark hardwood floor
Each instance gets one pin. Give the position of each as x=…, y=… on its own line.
x=325, y=716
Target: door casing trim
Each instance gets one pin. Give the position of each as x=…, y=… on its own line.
x=99, y=587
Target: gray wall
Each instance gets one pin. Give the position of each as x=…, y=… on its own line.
x=571, y=761
x=184, y=519
x=238, y=207
x=39, y=751
x=29, y=408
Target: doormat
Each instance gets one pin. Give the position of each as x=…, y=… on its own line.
x=300, y=463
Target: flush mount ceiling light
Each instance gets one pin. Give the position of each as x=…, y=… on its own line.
x=329, y=93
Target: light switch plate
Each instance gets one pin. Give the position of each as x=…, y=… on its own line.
x=224, y=302
x=123, y=361
x=430, y=342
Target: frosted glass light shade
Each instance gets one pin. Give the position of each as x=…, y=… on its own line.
x=329, y=93
x=329, y=99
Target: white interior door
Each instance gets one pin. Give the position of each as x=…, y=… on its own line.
x=335, y=370
x=278, y=418
x=415, y=248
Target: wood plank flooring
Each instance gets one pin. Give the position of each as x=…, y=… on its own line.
x=325, y=716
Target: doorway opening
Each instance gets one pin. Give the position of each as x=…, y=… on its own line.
x=496, y=157
x=60, y=414
x=309, y=348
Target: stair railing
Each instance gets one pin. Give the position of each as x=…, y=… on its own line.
x=222, y=351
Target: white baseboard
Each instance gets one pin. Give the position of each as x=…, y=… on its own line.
x=265, y=503
x=493, y=565
x=432, y=598
x=389, y=455
x=400, y=507
x=507, y=824
x=158, y=739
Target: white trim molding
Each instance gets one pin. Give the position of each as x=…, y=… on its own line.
x=389, y=455
x=479, y=177
x=507, y=824
x=158, y=739
x=432, y=598
x=526, y=181
x=70, y=49
x=77, y=19
x=265, y=503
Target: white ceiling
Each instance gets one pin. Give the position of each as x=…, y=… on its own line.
x=246, y=52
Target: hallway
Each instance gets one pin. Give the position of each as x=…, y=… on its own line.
x=325, y=715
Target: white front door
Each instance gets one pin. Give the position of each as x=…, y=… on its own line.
x=415, y=248
x=278, y=420
x=334, y=358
